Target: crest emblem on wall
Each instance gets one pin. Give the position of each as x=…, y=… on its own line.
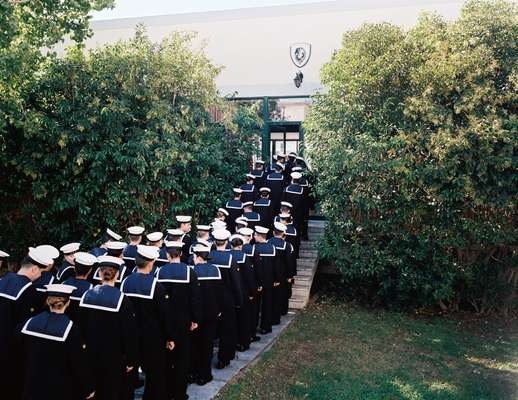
x=300, y=54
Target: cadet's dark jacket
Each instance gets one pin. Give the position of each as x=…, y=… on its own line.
x=260, y=177
x=247, y=274
x=107, y=322
x=211, y=284
x=54, y=359
x=129, y=254
x=82, y=286
x=264, y=208
x=276, y=182
x=235, y=209
x=282, y=263
x=187, y=243
x=19, y=300
x=249, y=192
x=265, y=264
x=230, y=276
x=253, y=219
x=181, y=283
x=295, y=195
x=66, y=271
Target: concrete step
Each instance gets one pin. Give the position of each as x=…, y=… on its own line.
x=308, y=245
x=308, y=254
x=304, y=272
x=297, y=304
x=300, y=293
x=307, y=262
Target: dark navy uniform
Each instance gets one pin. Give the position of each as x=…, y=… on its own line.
x=98, y=251
x=259, y=176
x=19, y=300
x=233, y=298
x=235, y=209
x=252, y=218
x=154, y=317
x=54, y=359
x=107, y=321
x=181, y=283
x=285, y=271
x=124, y=272
x=255, y=303
x=265, y=271
x=81, y=287
x=66, y=271
x=187, y=243
x=294, y=194
x=249, y=192
x=211, y=284
x=130, y=251
x=249, y=290
x=46, y=278
x=265, y=210
x=276, y=182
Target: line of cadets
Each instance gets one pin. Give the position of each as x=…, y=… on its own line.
x=84, y=331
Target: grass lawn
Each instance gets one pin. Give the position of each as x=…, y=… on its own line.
x=341, y=351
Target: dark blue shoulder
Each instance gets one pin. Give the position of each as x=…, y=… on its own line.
x=263, y=203
x=252, y=216
x=64, y=267
x=81, y=285
x=102, y=297
x=98, y=251
x=221, y=259
x=239, y=256
x=265, y=249
x=249, y=249
x=294, y=189
x=278, y=243
x=46, y=278
x=174, y=272
x=206, y=272
x=139, y=285
x=234, y=204
x=48, y=326
x=13, y=285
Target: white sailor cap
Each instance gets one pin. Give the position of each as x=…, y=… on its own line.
x=85, y=259
x=49, y=250
x=149, y=253
x=297, y=169
x=204, y=242
x=292, y=154
x=284, y=215
x=265, y=189
x=154, y=236
x=221, y=234
x=296, y=175
x=175, y=232
x=246, y=231
x=286, y=204
x=223, y=211
x=113, y=235
x=238, y=190
x=204, y=228
x=218, y=224
x=280, y=165
x=70, y=248
x=300, y=158
x=242, y=221
x=200, y=248
x=174, y=244
x=261, y=229
x=237, y=236
x=183, y=219
x=250, y=176
x=279, y=227
x=136, y=230
x=248, y=203
x=259, y=161
x=59, y=289
x=110, y=261
x=116, y=245
x=3, y=254
x=40, y=257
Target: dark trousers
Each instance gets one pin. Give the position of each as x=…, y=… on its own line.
x=278, y=294
x=255, y=307
x=244, y=316
x=227, y=334
x=203, y=348
x=287, y=297
x=154, y=366
x=266, y=308
x=178, y=365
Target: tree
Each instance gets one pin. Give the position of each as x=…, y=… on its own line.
x=415, y=148
x=121, y=135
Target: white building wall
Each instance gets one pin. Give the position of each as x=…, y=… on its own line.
x=253, y=44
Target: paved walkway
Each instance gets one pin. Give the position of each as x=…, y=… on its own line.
x=221, y=377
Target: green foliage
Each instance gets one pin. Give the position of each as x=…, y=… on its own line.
x=117, y=136
x=415, y=149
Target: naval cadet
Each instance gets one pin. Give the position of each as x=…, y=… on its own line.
x=294, y=194
x=211, y=284
x=108, y=236
x=19, y=300
x=181, y=283
x=248, y=289
x=156, y=239
x=107, y=321
x=221, y=214
x=259, y=173
x=154, y=317
x=241, y=222
x=291, y=235
x=263, y=207
x=130, y=251
x=249, y=189
x=276, y=182
x=251, y=216
x=234, y=208
x=203, y=235
x=84, y=264
x=115, y=249
x=265, y=269
x=50, y=347
x=185, y=225
x=67, y=267
x=222, y=258
x=46, y=278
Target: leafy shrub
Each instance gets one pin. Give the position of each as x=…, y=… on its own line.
x=415, y=147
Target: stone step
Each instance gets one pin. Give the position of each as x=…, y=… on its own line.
x=301, y=286
x=308, y=254
x=305, y=272
x=298, y=304
x=308, y=245
x=307, y=262
x=298, y=292
x=308, y=277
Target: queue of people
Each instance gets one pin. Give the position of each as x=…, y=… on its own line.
x=84, y=328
